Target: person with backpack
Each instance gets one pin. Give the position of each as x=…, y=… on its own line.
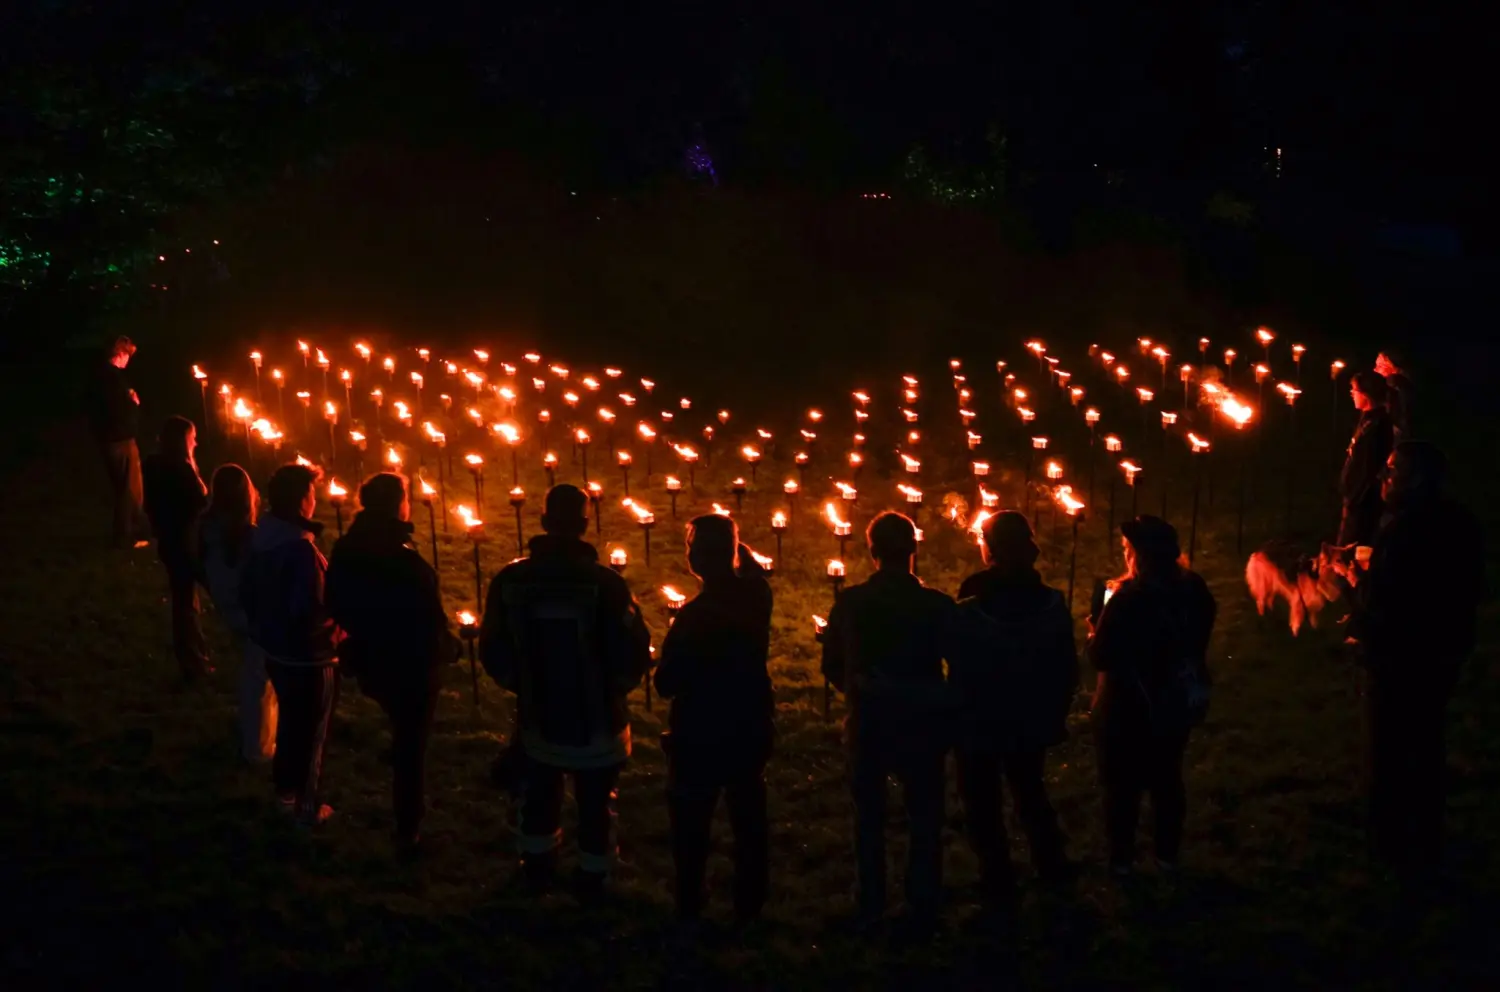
x=225, y=532
x=175, y=495
x=884, y=649
x=283, y=594
x=386, y=600
x=564, y=634
x=1015, y=670
x=1149, y=647
x=713, y=669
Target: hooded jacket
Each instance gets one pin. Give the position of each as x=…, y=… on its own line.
x=282, y=591
x=385, y=599
x=713, y=668
x=565, y=635
x=1014, y=666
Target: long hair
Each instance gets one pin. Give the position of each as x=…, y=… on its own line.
x=172, y=441
x=233, y=502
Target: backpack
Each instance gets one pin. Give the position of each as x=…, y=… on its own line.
x=1180, y=703
x=999, y=671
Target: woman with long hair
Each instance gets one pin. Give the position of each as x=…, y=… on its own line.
x=224, y=535
x=1149, y=647
x=175, y=495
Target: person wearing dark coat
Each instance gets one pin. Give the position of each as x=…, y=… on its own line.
x=1414, y=623
x=385, y=598
x=1155, y=625
x=564, y=634
x=174, y=497
x=884, y=649
x=1370, y=446
x=283, y=593
x=1016, y=676
x=114, y=416
x=713, y=669
x=1400, y=391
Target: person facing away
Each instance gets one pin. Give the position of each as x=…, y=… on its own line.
x=713, y=669
x=1370, y=446
x=564, y=634
x=1015, y=668
x=884, y=649
x=1155, y=624
x=174, y=496
x=225, y=532
x=114, y=419
x=386, y=600
x=1399, y=390
x=1414, y=620
x=283, y=594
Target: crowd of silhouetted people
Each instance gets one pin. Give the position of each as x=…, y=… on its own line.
x=990, y=676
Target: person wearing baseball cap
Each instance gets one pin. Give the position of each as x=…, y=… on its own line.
x=1150, y=649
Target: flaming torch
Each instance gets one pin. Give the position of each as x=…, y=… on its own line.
x=1238, y=414
x=648, y=436
x=244, y=414
x=689, y=457
x=1265, y=337
x=427, y=492
x=476, y=470
x=596, y=494
x=1290, y=393
x=752, y=457
x=1297, y=352
x=778, y=527
x=323, y=365
x=581, y=441
x=474, y=528
x=645, y=519
x=331, y=414
x=1112, y=445
x=624, y=459
x=1131, y=470
x=511, y=434
x=336, y=494
x=1198, y=446
x=841, y=527
x=518, y=500
x=549, y=465
x=255, y=360
x=468, y=631
x=737, y=487
x=618, y=559
x=1037, y=444
x=202, y=378
x=674, y=488
x=1073, y=507
x=1335, y=370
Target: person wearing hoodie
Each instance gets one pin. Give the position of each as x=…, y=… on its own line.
x=385, y=599
x=282, y=591
x=225, y=532
x=175, y=495
x=564, y=634
x=1017, y=675
x=884, y=649
x=713, y=669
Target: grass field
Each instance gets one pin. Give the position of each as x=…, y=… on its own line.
x=134, y=844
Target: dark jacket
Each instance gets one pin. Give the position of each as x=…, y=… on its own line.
x=282, y=591
x=1147, y=630
x=1369, y=448
x=174, y=497
x=713, y=668
x=564, y=634
x=1014, y=666
x=385, y=599
x=221, y=566
x=884, y=650
x=113, y=415
x=1415, y=607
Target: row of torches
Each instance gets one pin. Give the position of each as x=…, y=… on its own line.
x=1064, y=496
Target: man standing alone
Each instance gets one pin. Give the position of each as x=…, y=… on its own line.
x=1359, y=483
x=114, y=413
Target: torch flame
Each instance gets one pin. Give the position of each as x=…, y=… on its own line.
x=1236, y=411
x=466, y=619
x=721, y=511
x=468, y=516
x=589, y=382
x=1264, y=335
x=363, y=349
x=913, y=465
x=427, y=489
x=1071, y=504
x=322, y=359
x=1199, y=444
x=685, y=452
x=832, y=513
x=1288, y=390
x=303, y=462
x=473, y=460
x=242, y=409
x=976, y=527
x=751, y=453
x=912, y=493
x=613, y=373
x=778, y=519
x=646, y=432
x=820, y=624
x=510, y=432
x=336, y=491
x=475, y=379
x=561, y=371
x=199, y=373
x=481, y=354
x=643, y=514
x=393, y=457
x=673, y=597
x=845, y=490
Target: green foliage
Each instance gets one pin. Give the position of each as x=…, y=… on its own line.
x=960, y=183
